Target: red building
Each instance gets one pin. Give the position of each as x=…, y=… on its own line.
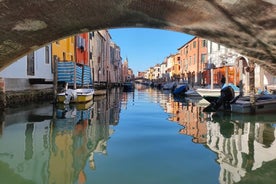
x=82, y=49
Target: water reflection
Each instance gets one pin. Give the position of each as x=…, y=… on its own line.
x=243, y=143
x=40, y=144
x=55, y=148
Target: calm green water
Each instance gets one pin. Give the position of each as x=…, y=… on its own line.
x=142, y=137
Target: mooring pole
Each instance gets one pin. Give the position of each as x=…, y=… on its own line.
x=252, y=86
x=55, y=79
x=3, y=101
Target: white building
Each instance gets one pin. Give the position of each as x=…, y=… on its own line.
x=170, y=64
x=156, y=72
x=30, y=72
x=221, y=56
x=163, y=69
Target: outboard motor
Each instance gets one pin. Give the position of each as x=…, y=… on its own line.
x=70, y=94
x=227, y=94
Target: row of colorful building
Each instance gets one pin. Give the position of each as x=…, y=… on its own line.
x=93, y=49
x=202, y=62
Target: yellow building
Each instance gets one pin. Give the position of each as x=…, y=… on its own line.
x=176, y=65
x=64, y=49
x=151, y=73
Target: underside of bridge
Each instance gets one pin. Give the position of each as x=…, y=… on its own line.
x=245, y=25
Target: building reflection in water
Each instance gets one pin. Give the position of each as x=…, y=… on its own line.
x=243, y=143
x=56, y=146
x=75, y=140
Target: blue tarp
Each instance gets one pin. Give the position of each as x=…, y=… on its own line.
x=66, y=73
x=235, y=88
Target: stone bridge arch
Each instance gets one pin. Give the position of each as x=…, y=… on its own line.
x=248, y=25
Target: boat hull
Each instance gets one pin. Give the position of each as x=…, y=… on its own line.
x=262, y=106
x=82, y=96
x=128, y=87
x=212, y=92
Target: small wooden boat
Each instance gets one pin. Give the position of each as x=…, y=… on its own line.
x=192, y=93
x=128, y=87
x=216, y=91
x=75, y=96
x=169, y=86
x=181, y=89
x=263, y=104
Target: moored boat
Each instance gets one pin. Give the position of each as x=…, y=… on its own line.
x=128, y=87
x=181, y=89
x=75, y=95
x=192, y=93
x=263, y=104
x=169, y=86
x=227, y=102
x=216, y=91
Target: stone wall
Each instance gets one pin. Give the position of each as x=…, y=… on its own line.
x=19, y=98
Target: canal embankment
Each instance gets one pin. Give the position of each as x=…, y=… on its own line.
x=14, y=98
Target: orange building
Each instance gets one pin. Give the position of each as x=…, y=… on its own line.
x=189, y=117
x=176, y=65
x=193, y=58
x=82, y=48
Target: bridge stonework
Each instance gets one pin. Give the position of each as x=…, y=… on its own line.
x=245, y=25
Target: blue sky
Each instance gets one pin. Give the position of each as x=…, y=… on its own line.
x=146, y=47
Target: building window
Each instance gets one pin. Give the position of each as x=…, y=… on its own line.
x=194, y=44
x=203, y=58
x=64, y=56
x=47, y=54
x=194, y=58
x=204, y=43
x=30, y=64
x=91, y=34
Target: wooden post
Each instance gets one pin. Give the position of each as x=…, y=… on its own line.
x=241, y=76
x=212, y=78
x=252, y=86
x=226, y=75
x=75, y=75
x=235, y=75
x=55, y=78
x=261, y=77
x=2, y=94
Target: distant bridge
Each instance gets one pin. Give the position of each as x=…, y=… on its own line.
x=248, y=25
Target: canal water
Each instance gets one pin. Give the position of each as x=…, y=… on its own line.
x=145, y=136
